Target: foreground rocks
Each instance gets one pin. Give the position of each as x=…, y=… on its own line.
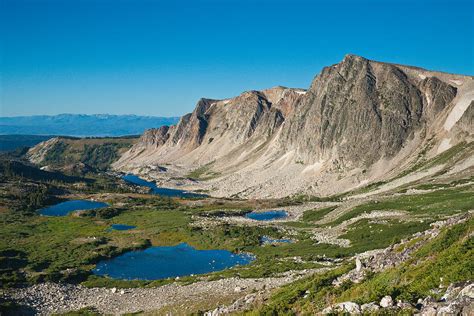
x=458, y=300
x=50, y=298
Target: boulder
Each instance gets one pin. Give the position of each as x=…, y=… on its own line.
x=451, y=309
x=467, y=291
x=386, y=301
x=451, y=292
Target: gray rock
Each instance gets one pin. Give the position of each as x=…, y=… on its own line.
x=345, y=307
x=428, y=311
x=451, y=309
x=467, y=291
x=468, y=310
x=428, y=301
x=369, y=307
x=404, y=305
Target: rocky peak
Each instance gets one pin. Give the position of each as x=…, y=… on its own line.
x=358, y=95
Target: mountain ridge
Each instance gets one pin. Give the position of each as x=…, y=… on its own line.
x=359, y=121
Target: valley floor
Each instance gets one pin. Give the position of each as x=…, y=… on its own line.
x=409, y=242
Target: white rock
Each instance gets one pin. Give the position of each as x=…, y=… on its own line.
x=238, y=289
x=358, y=265
x=113, y=290
x=386, y=301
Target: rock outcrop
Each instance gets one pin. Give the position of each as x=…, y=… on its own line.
x=458, y=300
x=356, y=116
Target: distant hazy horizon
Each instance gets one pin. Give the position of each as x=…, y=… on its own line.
x=157, y=58
x=87, y=114
x=82, y=125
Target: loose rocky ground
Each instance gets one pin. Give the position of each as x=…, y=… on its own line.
x=49, y=298
x=457, y=300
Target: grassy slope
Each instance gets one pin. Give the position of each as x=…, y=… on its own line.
x=437, y=203
x=98, y=153
x=448, y=256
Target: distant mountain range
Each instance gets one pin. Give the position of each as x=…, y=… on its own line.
x=82, y=125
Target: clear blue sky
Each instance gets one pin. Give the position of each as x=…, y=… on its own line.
x=160, y=57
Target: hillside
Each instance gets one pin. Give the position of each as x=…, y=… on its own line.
x=81, y=125
x=360, y=122
x=79, y=155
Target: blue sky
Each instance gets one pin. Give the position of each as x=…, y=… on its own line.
x=159, y=57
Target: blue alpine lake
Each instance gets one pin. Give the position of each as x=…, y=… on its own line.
x=64, y=208
x=267, y=216
x=161, y=191
x=265, y=240
x=121, y=227
x=172, y=261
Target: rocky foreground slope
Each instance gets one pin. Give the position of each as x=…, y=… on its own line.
x=359, y=122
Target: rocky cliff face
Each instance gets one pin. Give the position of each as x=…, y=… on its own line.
x=217, y=127
x=359, y=111
x=356, y=117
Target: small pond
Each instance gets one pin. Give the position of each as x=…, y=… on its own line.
x=121, y=227
x=163, y=262
x=265, y=240
x=267, y=216
x=64, y=208
x=161, y=191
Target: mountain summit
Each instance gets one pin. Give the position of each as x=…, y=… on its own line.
x=359, y=122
